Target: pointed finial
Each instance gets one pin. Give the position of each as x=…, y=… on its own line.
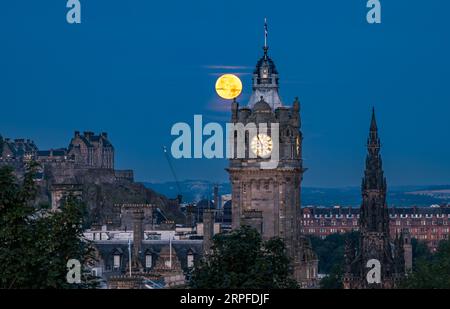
x=296, y=104
x=373, y=123
x=266, y=33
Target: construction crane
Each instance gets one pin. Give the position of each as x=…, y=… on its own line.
x=180, y=195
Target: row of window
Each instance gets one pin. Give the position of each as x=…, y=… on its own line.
x=328, y=231
x=422, y=222
x=332, y=223
x=330, y=216
x=416, y=233
x=355, y=222
x=349, y=216
x=117, y=261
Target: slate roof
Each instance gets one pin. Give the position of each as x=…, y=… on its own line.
x=107, y=249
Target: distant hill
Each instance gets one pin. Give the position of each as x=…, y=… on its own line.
x=195, y=190
x=192, y=190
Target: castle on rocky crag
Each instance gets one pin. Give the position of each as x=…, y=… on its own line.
x=64, y=170
x=85, y=151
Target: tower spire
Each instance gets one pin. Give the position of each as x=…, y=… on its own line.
x=266, y=33
x=374, y=239
x=265, y=78
x=373, y=142
x=373, y=123
x=374, y=183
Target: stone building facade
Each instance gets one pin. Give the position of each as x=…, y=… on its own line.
x=428, y=224
x=139, y=262
x=85, y=150
x=63, y=171
x=91, y=150
x=268, y=198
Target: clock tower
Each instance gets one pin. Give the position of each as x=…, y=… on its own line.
x=266, y=178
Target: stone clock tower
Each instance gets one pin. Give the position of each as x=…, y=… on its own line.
x=268, y=197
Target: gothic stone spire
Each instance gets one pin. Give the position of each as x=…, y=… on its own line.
x=374, y=240
x=374, y=213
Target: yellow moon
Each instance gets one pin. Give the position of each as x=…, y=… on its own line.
x=228, y=86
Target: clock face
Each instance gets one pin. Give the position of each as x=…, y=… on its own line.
x=261, y=145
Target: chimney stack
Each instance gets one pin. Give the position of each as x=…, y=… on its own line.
x=407, y=249
x=216, y=196
x=88, y=134
x=208, y=229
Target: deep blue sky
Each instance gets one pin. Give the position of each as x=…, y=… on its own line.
x=133, y=68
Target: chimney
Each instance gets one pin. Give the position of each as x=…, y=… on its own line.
x=216, y=197
x=77, y=134
x=138, y=235
x=208, y=229
x=88, y=134
x=407, y=249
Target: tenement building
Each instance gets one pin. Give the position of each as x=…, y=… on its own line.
x=375, y=244
x=266, y=179
x=146, y=256
x=428, y=224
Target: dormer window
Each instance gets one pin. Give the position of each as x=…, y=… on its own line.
x=116, y=264
x=148, y=261
x=117, y=258
x=190, y=258
x=265, y=73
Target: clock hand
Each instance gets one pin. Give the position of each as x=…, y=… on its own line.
x=260, y=143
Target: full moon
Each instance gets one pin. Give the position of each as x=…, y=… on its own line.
x=228, y=86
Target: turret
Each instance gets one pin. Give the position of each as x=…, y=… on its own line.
x=265, y=80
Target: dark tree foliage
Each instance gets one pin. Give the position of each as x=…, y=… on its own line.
x=1, y=145
x=420, y=252
x=431, y=272
x=241, y=259
x=36, y=243
x=331, y=249
x=330, y=252
x=333, y=280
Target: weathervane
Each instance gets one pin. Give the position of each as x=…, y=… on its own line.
x=266, y=33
